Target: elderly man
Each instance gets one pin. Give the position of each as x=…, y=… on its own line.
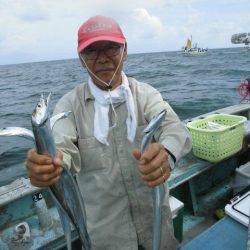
x=101, y=142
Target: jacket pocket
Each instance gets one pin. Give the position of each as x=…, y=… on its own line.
x=94, y=155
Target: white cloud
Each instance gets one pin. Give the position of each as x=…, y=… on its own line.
x=47, y=29
x=147, y=26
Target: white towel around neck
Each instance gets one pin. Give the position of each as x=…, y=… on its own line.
x=102, y=104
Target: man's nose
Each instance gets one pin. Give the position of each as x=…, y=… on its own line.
x=101, y=57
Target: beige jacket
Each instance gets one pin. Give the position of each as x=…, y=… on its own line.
x=118, y=203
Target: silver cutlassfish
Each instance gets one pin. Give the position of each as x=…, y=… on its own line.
x=65, y=192
x=158, y=191
x=248, y=240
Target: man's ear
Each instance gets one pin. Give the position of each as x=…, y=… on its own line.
x=125, y=54
x=125, y=57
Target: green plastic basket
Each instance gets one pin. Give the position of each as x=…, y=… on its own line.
x=217, y=143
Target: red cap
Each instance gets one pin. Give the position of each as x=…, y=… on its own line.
x=99, y=28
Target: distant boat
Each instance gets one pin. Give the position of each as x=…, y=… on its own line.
x=241, y=38
x=191, y=49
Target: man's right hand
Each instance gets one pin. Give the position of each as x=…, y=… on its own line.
x=43, y=171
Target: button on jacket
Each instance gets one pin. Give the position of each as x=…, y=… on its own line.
x=118, y=204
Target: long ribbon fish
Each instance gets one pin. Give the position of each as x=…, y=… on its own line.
x=248, y=240
x=65, y=192
x=158, y=191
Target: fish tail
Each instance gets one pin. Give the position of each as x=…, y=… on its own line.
x=65, y=220
x=66, y=228
x=158, y=195
x=68, y=240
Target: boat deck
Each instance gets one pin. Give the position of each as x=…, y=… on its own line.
x=202, y=186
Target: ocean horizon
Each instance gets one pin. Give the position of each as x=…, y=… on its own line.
x=129, y=54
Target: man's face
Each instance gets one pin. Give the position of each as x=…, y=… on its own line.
x=102, y=58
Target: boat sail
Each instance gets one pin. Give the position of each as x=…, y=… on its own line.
x=188, y=45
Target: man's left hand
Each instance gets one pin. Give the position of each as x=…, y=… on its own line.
x=153, y=164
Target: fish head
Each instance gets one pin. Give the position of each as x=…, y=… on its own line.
x=155, y=123
x=40, y=113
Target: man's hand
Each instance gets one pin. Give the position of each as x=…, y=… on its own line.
x=153, y=164
x=42, y=170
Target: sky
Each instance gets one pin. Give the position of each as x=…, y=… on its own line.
x=43, y=30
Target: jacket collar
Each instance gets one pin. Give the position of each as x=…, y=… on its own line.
x=89, y=96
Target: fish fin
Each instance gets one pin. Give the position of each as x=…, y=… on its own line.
x=66, y=225
x=158, y=195
x=68, y=240
x=17, y=131
x=65, y=220
x=72, y=194
x=48, y=99
x=58, y=117
x=67, y=203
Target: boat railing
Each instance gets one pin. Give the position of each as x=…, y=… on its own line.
x=22, y=186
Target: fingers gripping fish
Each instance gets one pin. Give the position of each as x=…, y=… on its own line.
x=65, y=192
x=158, y=191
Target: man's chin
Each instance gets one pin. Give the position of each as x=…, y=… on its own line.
x=105, y=76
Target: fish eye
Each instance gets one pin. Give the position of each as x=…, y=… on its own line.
x=39, y=106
